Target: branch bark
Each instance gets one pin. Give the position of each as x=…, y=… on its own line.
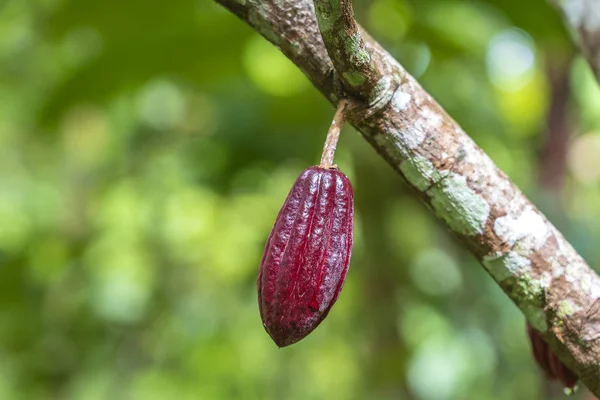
x=528, y=257
x=359, y=72
x=583, y=20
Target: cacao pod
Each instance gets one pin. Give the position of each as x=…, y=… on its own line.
x=548, y=361
x=307, y=254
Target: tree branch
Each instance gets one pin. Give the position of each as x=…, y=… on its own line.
x=583, y=19
x=351, y=57
x=533, y=263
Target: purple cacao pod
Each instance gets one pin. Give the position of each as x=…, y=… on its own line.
x=548, y=361
x=306, y=257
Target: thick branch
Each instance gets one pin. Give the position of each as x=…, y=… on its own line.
x=583, y=19
x=534, y=264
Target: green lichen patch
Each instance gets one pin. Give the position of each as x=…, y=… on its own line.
x=354, y=78
x=327, y=13
x=325, y=22
x=530, y=289
x=390, y=142
x=528, y=292
x=421, y=173
x=565, y=308
x=356, y=49
x=461, y=207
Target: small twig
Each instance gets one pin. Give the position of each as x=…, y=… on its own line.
x=352, y=59
x=332, y=136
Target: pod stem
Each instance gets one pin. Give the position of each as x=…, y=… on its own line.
x=332, y=136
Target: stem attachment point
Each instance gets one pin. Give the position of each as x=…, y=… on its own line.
x=333, y=135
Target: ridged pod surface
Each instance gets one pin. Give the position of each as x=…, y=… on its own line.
x=544, y=356
x=307, y=254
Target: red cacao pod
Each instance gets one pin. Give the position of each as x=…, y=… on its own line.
x=560, y=370
x=307, y=254
x=548, y=361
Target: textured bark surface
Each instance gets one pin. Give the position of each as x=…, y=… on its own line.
x=533, y=263
x=345, y=45
x=583, y=19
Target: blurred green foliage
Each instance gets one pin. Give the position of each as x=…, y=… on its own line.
x=145, y=149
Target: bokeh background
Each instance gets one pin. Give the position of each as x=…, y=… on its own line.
x=146, y=147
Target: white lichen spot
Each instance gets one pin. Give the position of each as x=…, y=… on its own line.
x=546, y=280
x=413, y=136
x=426, y=122
x=381, y=93
x=496, y=188
x=594, y=289
x=574, y=270
x=464, y=210
x=382, y=85
x=430, y=119
x=559, y=260
x=392, y=142
x=582, y=14
x=557, y=269
x=574, y=10
x=580, y=275
x=400, y=100
x=529, y=229
x=504, y=266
